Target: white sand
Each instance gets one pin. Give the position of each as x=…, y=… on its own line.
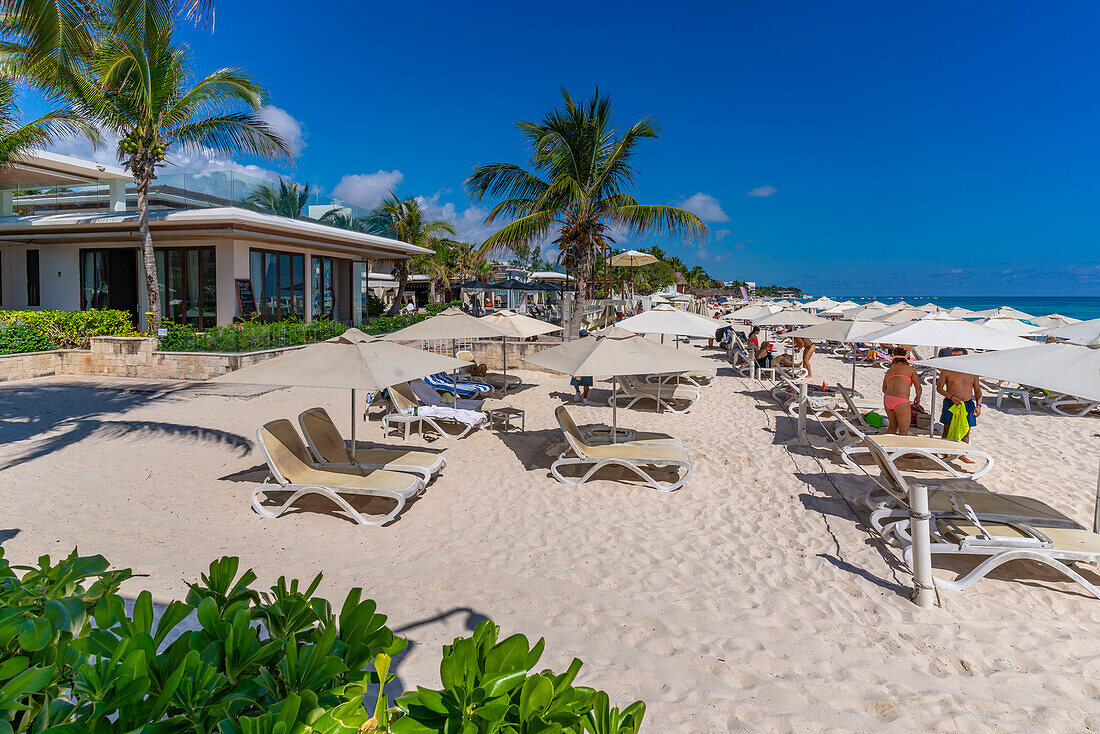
x=750, y=600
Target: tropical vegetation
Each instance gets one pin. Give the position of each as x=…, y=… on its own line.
x=288, y=199
x=577, y=190
x=39, y=329
x=114, y=65
x=76, y=657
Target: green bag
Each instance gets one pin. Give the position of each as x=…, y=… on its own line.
x=960, y=424
x=874, y=419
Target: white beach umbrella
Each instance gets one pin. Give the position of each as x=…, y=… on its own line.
x=901, y=315
x=521, y=327
x=615, y=352
x=1054, y=320
x=961, y=313
x=876, y=304
x=1083, y=332
x=899, y=305
x=941, y=330
x=665, y=319
x=658, y=298
x=840, y=307
x=930, y=308
x=1007, y=311
x=352, y=361
x=632, y=259
x=867, y=313
x=1009, y=325
x=846, y=331
x=789, y=317
x=748, y=313
x=820, y=304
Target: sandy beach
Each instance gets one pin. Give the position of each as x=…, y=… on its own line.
x=751, y=600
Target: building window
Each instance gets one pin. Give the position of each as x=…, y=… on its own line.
x=34, y=281
x=279, y=283
x=188, y=285
x=324, y=301
x=109, y=279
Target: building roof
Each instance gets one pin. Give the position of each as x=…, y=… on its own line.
x=226, y=222
x=39, y=168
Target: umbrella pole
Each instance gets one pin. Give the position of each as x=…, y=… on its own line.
x=454, y=373
x=1096, y=512
x=353, y=425
x=504, y=361
x=615, y=413
x=853, y=367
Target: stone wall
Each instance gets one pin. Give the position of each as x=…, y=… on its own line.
x=490, y=353
x=124, y=356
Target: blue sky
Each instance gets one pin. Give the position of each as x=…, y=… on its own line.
x=861, y=147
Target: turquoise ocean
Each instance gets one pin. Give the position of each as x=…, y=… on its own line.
x=1072, y=306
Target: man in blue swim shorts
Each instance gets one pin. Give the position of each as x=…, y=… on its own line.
x=958, y=387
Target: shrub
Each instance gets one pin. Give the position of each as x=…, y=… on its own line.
x=72, y=329
x=17, y=338
x=72, y=659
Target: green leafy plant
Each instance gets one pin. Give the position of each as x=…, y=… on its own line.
x=70, y=329
x=18, y=338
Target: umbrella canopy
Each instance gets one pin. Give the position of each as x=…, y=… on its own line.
x=840, y=307
x=877, y=304
x=838, y=331
x=658, y=298
x=961, y=313
x=1009, y=325
x=1064, y=368
x=748, y=313
x=450, y=324
x=789, y=317
x=617, y=351
x=349, y=362
x=929, y=308
x=681, y=298
x=665, y=319
x=520, y=325
x=473, y=285
x=1008, y=311
x=943, y=331
x=900, y=316
x=632, y=259
x=511, y=284
x=899, y=305
x=1083, y=332
x=820, y=303
x=867, y=313
x=1054, y=320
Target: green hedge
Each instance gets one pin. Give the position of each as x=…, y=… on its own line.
x=251, y=336
x=73, y=659
x=70, y=329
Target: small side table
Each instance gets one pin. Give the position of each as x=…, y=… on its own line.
x=400, y=419
x=505, y=416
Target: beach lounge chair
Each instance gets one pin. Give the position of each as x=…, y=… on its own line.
x=425, y=394
x=852, y=441
x=697, y=378
x=1070, y=406
x=291, y=470
x=496, y=380
x=404, y=400
x=637, y=457
x=673, y=398
x=964, y=529
x=330, y=451
x=857, y=408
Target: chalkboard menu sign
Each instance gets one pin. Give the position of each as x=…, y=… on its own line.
x=246, y=298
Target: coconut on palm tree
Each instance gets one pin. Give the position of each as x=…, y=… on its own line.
x=135, y=83
x=404, y=220
x=577, y=189
x=287, y=200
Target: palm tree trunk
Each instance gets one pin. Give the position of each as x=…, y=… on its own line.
x=402, y=281
x=580, y=283
x=152, y=286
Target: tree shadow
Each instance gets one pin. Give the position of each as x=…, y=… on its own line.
x=53, y=416
x=397, y=686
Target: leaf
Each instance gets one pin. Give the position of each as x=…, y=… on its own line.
x=35, y=633
x=66, y=615
x=535, y=697
x=498, y=685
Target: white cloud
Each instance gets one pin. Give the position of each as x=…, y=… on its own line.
x=762, y=191
x=367, y=189
x=705, y=206
x=743, y=243
x=285, y=124
x=721, y=234
x=469, y=223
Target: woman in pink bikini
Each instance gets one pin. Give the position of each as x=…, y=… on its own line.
x=899, y=381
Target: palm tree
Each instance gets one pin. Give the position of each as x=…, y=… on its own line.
x=133, y=82
x=579, y=186
x=18, y=137
x=287, y=200
x=342, y=219
x=404, y=220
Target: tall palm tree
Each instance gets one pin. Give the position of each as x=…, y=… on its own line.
x=287, y=200
x=578, y=188
x=136, y=83
x=341, y=219
x=18, y=137
x=404, y=220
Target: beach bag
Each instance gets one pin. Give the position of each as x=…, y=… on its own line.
x=875, y=419
x=960, y=425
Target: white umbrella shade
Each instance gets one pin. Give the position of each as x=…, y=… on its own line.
x=520, y=325
x=961, y=313
x=838, y=331
x=665, y=319
x=453, y=323
x=901, y=315
x=748, y=313
x=929, y=308
x=617, y=352
x=1006, y=311
x=1064, y=368
x=657, y=298
x=1083, y=332
x=1054, y=320
x=820, y=303
x=789, y=317
x=1009, y=325
x=877, y=304
x=867, y=313
x=841, y=307
x=352, y=361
